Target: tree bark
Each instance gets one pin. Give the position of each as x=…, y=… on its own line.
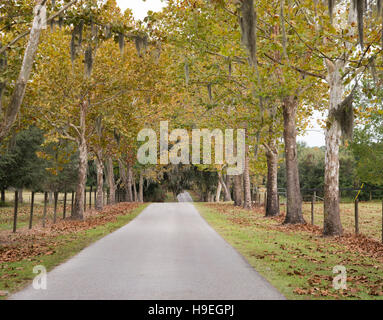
x=111, y=182
x=126, y=177
x=332, y=225
x=17, y=97
x=227, y=196
x=129, y=182
x=294, y=199
x=238, y=190
x=100, y=183
x=272, y=206
x=218, y=193
x=228, y=183
x=135, y=193
x=78, y=212
x=246, y=182
x=141, y=188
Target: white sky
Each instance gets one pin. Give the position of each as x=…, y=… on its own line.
x=140, y=8
x=314, y=137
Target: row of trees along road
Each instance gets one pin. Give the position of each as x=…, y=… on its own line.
x=99, y=76
x=299, y=58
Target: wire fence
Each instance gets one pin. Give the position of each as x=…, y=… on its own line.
x=361, y=210
x=41, y=207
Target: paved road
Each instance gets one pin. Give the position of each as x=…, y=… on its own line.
x=167, y=252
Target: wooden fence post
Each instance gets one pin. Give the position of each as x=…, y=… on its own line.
x=45, y=208
x=56, y=197
x=15, y=211
x=85, y=199
x=90, y=197
x=31, y=214
x=357, y=216
x=65, y=199
x=72, y=203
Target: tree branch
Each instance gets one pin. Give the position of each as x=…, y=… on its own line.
x=6, y=47
x=305, y=72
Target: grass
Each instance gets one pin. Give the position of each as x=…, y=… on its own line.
x=194, y=195
x=297, y=262
x=7, y=209
x=169, y=197
x=16, y=275
x=370, y=217
x=39, y=197
x=6, y=215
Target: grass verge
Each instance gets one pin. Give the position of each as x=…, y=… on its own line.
x=299, y=263
x=16, y=275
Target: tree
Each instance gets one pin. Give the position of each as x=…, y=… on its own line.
x=16, y=98
x=20, y=166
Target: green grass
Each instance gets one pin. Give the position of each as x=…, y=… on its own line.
x=294, y=261
x=169, y=197
x=194, y=195
x=16, y=275
x=370, y=217
x=39, y=197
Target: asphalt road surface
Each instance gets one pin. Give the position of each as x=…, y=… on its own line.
x=167, y=252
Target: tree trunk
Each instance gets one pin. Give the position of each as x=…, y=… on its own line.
x=135, y=194
x=238, y=190
x=332, y=224
x=294, y=198
x=64, y=206
x=19, y=90
x=3, y=195
x=129, y=182
x=141, y=188
x=78, y=212
x=227, y=196
x=272, y=206
x=228, y=183
x=246, y=182
x=111, y=182
x=100, y=183
x=218, y=193
x=126, y=178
